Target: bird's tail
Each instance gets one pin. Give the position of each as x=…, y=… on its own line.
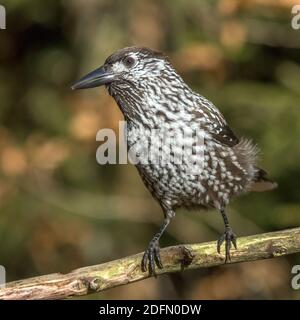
x=262, y=182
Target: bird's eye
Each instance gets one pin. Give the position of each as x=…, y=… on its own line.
x=129, y=61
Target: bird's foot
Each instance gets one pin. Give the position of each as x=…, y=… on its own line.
x=152, y=257
x=230, y=238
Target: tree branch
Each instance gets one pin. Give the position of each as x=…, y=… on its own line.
x=97, y=278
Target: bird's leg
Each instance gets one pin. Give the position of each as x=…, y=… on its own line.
x=152, y=253
x=228, y=236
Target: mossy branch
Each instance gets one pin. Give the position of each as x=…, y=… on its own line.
x=100, y=277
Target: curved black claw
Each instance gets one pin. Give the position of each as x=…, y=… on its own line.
x=151, y=257
x=229, y=237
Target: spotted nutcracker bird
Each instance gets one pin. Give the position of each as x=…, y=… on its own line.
x=152, y=95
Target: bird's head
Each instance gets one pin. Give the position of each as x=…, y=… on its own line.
x=142, y=81
x=131, y=66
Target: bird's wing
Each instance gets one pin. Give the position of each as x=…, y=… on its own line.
x=214, y=123
x=224, y=135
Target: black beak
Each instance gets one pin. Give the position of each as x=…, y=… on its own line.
x=95, y=78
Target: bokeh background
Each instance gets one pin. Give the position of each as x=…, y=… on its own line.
x=60, y=210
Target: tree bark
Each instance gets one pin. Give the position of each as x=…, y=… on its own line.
x=100, y=277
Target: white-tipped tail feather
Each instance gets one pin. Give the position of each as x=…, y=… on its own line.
x=262, y=182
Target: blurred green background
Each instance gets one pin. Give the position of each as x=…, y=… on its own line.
x=60, y=210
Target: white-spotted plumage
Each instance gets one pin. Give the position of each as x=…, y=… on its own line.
x=155, y=100
x=153, y=96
